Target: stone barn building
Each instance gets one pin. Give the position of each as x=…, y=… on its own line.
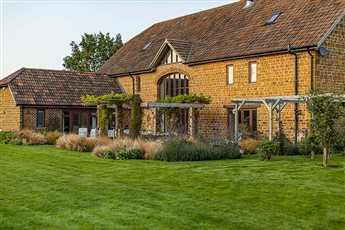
x=246, y=49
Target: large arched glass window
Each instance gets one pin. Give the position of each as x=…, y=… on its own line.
x=173, y=84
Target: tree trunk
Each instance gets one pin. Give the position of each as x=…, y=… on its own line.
x=312, y=154
x=325, y=156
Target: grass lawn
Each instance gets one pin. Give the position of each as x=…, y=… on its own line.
x=46, y=188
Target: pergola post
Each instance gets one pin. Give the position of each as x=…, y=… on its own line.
x=278, y=109
x=269, y=106
x=270, y=114
x=191, y=122
x=235, y=112
x=117, y=130
x=154, y=121
x=97, y=125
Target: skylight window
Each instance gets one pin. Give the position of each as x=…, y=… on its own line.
x=273, y=19
x=147, y=45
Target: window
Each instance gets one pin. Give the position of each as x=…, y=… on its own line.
x=40, y=119
x=252, y=72
x=138, y=84
x=75, y=122
x=66, y=121
x=272, y=19
x=147, y=45
x=173, y=84
x=230, y=74
x=83, y=120
x=249, y=118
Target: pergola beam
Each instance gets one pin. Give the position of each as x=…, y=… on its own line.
x=171, y=105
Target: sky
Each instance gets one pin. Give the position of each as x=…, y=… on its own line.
x=37, y=34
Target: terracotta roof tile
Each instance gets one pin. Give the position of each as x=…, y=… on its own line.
x=42, y=87
x=231, y=31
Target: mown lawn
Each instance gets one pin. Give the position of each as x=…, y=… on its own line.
x=46, y=188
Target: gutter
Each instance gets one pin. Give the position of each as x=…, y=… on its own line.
x=277, y=52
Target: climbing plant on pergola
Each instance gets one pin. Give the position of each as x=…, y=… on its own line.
x=106, y=105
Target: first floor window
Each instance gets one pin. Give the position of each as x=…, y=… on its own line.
x=230, y=74
x=252, y=72
x=40, y=119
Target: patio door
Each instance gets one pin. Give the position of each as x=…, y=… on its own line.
x=66, y=122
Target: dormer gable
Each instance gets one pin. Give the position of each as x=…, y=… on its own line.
x=172, y=51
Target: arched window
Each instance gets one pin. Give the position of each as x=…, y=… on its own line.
x=173, y=84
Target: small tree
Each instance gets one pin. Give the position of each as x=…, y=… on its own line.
x=325, y=112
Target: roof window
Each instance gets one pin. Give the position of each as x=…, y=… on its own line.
x=147, y=45
x=273, y=19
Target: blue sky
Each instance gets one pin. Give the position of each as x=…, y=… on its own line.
x=37, y=33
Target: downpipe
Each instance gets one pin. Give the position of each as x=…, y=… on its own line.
x=296, y=110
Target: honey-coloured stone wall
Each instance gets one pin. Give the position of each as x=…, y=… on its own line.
x=275, y=77
x=9, y=112
x=330, y=70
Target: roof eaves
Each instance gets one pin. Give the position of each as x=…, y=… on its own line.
x=273, y=52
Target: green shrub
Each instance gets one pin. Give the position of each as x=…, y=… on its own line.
x=110, y=155
x=339, y=140
x=6, y=136
x=52, y=137
x=29, y=137
x=267, y=149
x=308, y=145
x=15, y=142
x=291, y=149
x=182, y=150
x=132, y=154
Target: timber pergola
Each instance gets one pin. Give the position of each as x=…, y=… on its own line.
x=274, y=103
x=155, y=105
x=191, y=112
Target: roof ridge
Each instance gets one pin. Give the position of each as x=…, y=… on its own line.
x=199, y=12
x=66, y=71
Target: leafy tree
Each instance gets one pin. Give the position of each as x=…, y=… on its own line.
x=92, y=52
x=325, y=113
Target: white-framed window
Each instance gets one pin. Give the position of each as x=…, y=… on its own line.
x=252, y=72
x=229, y=74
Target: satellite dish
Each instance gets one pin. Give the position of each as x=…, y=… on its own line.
x=323, y=51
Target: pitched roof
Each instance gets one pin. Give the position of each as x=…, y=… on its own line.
x=41, y=87
x=231, y=31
